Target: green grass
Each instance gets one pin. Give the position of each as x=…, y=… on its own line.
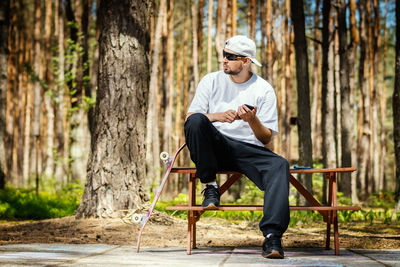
x=24, y=204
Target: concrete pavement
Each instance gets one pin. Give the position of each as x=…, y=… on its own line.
x=113, y=255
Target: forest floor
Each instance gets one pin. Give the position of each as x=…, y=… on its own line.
x=166, y=231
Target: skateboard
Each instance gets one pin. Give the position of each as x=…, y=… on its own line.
x=164, y=156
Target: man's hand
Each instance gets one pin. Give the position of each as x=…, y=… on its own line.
x=260, y=131
x=227, y=116
x=246, y=114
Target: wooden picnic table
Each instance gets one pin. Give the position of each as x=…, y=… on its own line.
x=328, y=211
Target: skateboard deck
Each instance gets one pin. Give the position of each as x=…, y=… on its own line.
x=168, y=161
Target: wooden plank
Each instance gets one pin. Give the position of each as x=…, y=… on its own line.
x=259, y=208
x=337, y=170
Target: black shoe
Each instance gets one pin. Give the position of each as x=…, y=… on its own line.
x=272, y=247
x=211, y=197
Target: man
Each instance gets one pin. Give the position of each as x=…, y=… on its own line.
x=231, y=118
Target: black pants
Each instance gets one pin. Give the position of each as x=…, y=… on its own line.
x=212, y=151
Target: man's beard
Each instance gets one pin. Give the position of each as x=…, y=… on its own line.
x=231, y=72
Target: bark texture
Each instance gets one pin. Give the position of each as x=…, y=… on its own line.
x=116, y=166
x=4, y=24
x=396, y=109
x=328, y=118
x=347, y=121
x=303, y=88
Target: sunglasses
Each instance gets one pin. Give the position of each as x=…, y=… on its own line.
x=230, y=56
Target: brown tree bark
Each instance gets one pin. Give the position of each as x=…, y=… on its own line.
x=251, y=19
x=169, y=92
x=152, y=127
x=264, y=40
x=209, y=36
x=303, y=89
x=61, y=142
x=4, y=26
x=194, y=50
x=286, y=85
x=352, y=50
x=364, y=132
x=200, y=18
x=316, y=86
x=338, y=103
x=268, y=48
x=347, y=122
x=328, y=117
x=396, y=110
x=383, y=105
x=117, y=159
x=220, y=31
x=20, y=90
x=169, y=81
x=376, y=93
x=28, y=104
x=48, y=102
x=37, y=102
x=234, y=17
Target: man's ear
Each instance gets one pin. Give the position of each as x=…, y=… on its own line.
x=248, y=60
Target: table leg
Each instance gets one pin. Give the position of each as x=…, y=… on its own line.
x=334, y=213
x=330, y=176
x=189, y=233
x=191, y=214
x=194, y=234
x=328, y=234
x=336, y=232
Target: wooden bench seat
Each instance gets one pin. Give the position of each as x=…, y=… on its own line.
x=257, y=208
x=328, y=211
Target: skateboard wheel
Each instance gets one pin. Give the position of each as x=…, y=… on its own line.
x=137, y=218
x=164, y=156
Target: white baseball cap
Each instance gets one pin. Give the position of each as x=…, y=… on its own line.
x=244, y=46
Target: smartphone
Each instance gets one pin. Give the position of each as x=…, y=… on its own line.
x=250, y=107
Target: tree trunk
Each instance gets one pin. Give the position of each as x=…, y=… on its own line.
x=354, y=37
x=200, y=18
x=251, y=19
x=169, y=89
x=338, y=105
x=37, y=93
x=303, y=89
x=396, y=109
x=209, y=36
x=169, y=81
x=152, y=128
x=263, y=53
x=220, y=30
x=4, y=25
x=268, y=64
x=61, y=124
x=194, y=50
x=316, y=87
x=347, y=122
x=364, y=133
x=27, y=142
x=48, y=102
x=234, y=17
x=383, y=119
x=287, y=84
x=328, y=116
x=116, y=167
x=375, y=95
